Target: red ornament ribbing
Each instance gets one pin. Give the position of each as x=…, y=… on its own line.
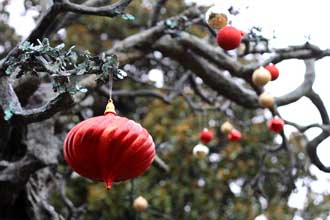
x=229, y=38
x=109, y=148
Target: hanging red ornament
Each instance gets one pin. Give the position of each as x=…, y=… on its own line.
x=206, y=136
x=109, y=148
x=234, y=135
x=274, y=72
x=276, y=124
x=229, y=38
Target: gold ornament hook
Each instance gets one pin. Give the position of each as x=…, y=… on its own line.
x=110, y=108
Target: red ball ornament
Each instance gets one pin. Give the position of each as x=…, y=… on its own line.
x=234, y=135
x=206, y=136
x=109, y=148
x=276, y=125
x=229, y=38
x=274, y=72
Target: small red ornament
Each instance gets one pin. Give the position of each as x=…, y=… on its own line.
x=276, y=124
x=109, y=148
x=274, y=72
x=234, y=135
x=229, y=38
x=206, y=135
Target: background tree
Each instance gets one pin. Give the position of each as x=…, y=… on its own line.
x=41, y=98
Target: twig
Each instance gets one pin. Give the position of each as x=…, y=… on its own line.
x=61, y=102
x=156, y=12
x=301, y=90
x=109, y=11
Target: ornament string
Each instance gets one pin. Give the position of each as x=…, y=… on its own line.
x=200, y=122
x=132, y=191
x=110, y=85
x=132, y=198
x=205, y=120
x=219, y=117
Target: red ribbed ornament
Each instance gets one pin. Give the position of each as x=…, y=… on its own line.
x=109, y=148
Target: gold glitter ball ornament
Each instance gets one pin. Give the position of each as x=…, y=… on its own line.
x=217, y=20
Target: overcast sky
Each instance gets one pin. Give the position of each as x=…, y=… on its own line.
x=293, y=22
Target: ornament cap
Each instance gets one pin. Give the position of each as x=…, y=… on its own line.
x=110, y=108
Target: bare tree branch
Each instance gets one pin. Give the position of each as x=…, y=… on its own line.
x=156, y=12
x=36, y=33
x=25, y=87
x=142, y=92
x=14, y=177
x=74, y=212
x=302, y=52
x=8, y=98
x=59, y=103
x=317, y=101
x=18, y=172
x=215, y=54
x=173, y=92
x=305, y=128
x=312, y=151
x=160, y=164
x=38, y=189
x=109, y=11
x=313, y=144
x=178, y=86
x=66, y=6
x=68, y=18
x=138, y=45
x=216, y=80
x=303, y=89
x=199, y=91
